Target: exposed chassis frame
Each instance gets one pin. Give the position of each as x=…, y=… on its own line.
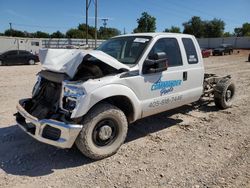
x=210, y=81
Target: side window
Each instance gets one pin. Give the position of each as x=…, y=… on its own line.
x=24, y=53
x=10, y=53
x=171, y=47
x=190, y=50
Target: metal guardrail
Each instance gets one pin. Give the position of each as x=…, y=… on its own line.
x=66, y=43
x=237, y=42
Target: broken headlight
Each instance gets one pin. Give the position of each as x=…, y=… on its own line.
x=71, y=96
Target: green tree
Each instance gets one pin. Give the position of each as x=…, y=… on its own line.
x=57, y=34
x=246, y=29
x=146, y=23
x=227, y=34
x=238, y=31
x=14, y=33
x=173, y=29
x=40, y=34
x=195, y=26
x=75, y=33
x=214, y=28
x=91, y=30
x=106, y=33
x=242, y=31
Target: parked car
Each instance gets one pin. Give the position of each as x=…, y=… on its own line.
x=223, y=49
x=205, y=52
x=14, y=57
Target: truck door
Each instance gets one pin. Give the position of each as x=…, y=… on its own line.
x=175, y=86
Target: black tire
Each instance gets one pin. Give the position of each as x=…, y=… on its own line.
x=31, y=62
x=104, y=130
x=1, y=62
x=224, y=93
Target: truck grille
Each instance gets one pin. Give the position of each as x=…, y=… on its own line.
x=46, y=102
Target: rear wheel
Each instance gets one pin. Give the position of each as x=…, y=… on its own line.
x=224, y=92
x=31, y=62
x=104, y=131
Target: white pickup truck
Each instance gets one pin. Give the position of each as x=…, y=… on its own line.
x=89, y=97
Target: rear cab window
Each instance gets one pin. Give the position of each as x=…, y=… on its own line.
x=190, y=49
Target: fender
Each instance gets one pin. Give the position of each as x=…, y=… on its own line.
x=104, y=92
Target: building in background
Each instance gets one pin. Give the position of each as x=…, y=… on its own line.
x=34, y=44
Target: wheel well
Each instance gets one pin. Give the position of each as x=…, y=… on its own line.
x=123, y=103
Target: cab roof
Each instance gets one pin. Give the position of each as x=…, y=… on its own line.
x=156, y=34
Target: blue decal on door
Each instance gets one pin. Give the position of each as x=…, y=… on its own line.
x=165, y=86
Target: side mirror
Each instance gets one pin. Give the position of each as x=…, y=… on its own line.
x=155, y=63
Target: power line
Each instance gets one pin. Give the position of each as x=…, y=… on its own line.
x=38, y=26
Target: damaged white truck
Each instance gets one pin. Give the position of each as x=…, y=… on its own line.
x=89, y=97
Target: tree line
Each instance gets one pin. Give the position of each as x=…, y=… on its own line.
x=79, y=32
x=146, y=23
x=194, y=26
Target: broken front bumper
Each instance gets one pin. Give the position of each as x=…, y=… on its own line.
x=48, y=131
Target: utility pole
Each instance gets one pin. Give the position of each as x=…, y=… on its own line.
x=10, y=29
x=87, y=27
x=95, y=23
x=10, y=26
x=105, y=20
x=88, y=2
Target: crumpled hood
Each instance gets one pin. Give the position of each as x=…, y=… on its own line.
x=68, y=60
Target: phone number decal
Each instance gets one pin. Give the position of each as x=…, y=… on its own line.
x=165, y=101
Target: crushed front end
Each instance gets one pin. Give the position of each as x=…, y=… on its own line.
x=50, y=115
x=46, y=116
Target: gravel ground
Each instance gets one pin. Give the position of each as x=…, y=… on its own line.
x=192, y=146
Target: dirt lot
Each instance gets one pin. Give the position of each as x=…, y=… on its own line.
x=188, y=147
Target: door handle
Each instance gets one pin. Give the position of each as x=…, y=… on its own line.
x=185, y=75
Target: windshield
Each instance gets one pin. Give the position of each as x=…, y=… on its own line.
x=127, y=50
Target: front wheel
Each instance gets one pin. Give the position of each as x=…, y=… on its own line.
x=104, y=131
x=224, y=92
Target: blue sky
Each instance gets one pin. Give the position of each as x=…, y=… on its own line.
x=52, y=15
